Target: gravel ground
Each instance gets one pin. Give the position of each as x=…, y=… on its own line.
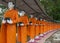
x=51, y=39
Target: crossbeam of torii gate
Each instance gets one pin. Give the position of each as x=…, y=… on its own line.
x=30, y=6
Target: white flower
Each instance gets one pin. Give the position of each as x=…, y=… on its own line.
x=0, y=10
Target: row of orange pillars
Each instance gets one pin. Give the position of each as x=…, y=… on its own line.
x=29, y=33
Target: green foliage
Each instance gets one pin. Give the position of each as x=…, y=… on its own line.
x=2, y=6
x=3, y=10
x=52, y=7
